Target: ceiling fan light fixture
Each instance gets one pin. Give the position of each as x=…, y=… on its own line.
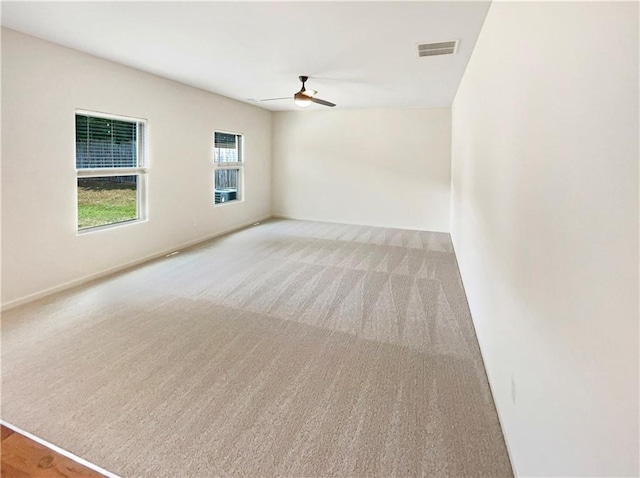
x=302, y=100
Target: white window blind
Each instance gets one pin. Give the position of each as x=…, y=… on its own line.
x=107, y=143
x=227, y=148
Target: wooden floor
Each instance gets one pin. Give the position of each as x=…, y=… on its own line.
x=23, y=457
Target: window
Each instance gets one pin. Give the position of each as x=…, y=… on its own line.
x=111, y=170
x=228, y=163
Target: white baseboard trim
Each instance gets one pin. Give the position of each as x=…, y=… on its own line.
x=112, y=270
x=312, y=219
x=489, y=380
x=61, y=451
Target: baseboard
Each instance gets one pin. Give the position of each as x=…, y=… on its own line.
x=313, y=219
x=112, y=270
x=484, y=365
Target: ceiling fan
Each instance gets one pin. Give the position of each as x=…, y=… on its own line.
x=304, y=97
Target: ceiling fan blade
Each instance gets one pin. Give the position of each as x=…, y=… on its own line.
x=309, y=93
x=273, y=99
x=322, y=102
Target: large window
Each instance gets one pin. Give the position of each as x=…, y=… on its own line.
x=111, y=170
x=228, y=162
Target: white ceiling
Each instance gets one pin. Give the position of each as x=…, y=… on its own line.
x=357, y=54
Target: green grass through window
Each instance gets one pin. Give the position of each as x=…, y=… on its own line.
x=102, y=202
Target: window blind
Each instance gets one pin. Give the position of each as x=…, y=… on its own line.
x=226, y=148
x=225, y=140
x=106, y=143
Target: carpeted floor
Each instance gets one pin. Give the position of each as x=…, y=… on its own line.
x=292, y=348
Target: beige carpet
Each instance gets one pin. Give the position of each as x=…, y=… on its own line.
x=292, y=348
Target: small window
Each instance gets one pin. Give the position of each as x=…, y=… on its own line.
x=111, y=170
x=229, y=167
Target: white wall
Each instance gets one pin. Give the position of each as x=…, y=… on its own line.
x=42, y=85
x=545, y=226
x=379, y=167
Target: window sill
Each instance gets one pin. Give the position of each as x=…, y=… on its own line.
x=88, y=230
x=226, y=203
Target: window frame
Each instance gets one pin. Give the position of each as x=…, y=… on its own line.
x=226, y=165
x=140, y=171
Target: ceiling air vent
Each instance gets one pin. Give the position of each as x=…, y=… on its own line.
x=439, y=48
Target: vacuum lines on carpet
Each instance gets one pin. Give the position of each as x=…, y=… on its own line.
x=293, y=348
